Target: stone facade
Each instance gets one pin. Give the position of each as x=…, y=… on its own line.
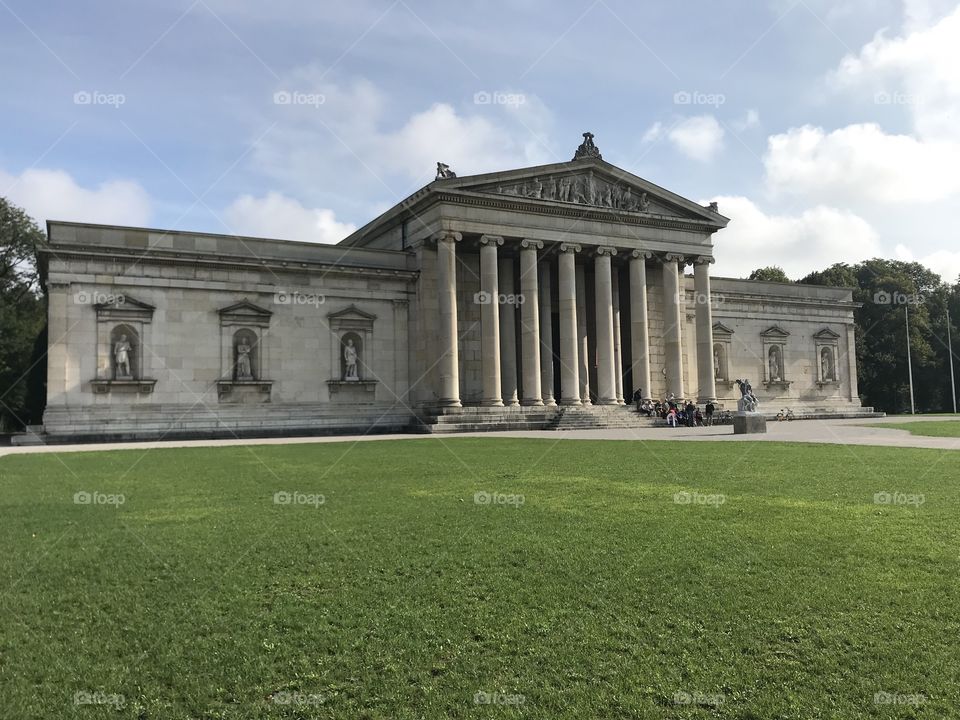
x=522, y=291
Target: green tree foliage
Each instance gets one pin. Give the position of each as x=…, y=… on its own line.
x=771, y=273
x=888, y=291
x=22, y=314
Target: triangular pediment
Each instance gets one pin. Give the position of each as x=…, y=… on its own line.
x=721, y=329
x=589, y=183
x=352, y=312
x=826, y=334
x=775, y=331
x=119, y=301
x=245, y=308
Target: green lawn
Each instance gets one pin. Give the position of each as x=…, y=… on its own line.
x=930, y=428
x=782, y=590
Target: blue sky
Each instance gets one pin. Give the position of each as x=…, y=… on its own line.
x=827, y=131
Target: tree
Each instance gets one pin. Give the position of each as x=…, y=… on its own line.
x=22, y=312
x=771, y=273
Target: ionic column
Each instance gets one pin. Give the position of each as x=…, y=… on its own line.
x=490, y=321
x=508, y=332
x=606, y=383
x=617, y=349
x=569, y=328
x=583, y=343
x=546, y=335
x=530, y=321
x=672, y=320
x=706, y=378
x=639, y=329
x=449, y=390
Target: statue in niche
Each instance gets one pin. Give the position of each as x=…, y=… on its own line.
x=564, y=190
x=350, y=358
x=243, y=366
x=121, y=357
x=826, y=365
x=644, y=203
x=716, y=363
x=776, y=371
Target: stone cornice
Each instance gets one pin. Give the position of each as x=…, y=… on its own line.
x=135, y=258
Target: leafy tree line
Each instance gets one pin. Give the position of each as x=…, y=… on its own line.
x=887, y=290
x=22, y=320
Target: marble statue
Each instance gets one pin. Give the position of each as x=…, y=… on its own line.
x=587, y=149
x=536, y=189
x=564, y=190
x=244, y=368
x=444, y=172
x=713, y=207
x=776, y=371
x=350, y=361
x=550, y=189
x=826, y=365
x=748, y=402
x=644, y=203
x=121, y=355
x=716, y=362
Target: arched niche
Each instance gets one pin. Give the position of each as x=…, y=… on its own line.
x=246, y=355
x=125, y=352
x=351, y=348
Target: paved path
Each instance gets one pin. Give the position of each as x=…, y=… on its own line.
x=841, y=432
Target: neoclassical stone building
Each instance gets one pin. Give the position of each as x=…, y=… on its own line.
x=539, y=297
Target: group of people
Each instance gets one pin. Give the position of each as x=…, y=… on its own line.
x=676, y=412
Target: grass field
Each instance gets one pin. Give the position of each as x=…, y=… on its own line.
x=482, y=578
x=930, y=428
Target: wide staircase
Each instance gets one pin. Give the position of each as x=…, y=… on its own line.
x=480, y=419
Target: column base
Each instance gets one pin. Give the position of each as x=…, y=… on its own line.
x=570, y=401
x=491, y=403
x=511, y=403
x=705, y=400
x=549, y=402
x=448, y=402
x=607, y=401
x=532, y=402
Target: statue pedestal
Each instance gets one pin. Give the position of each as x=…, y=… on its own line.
x=749, y=423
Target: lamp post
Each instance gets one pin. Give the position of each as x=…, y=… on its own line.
x=953, y=382
x=906, y=318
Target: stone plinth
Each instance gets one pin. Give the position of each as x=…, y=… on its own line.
x=748, y=423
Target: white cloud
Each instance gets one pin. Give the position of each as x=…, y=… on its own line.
x=653, y=133
x=812, y=240
x=861, y=163
x=55, y=195
x=283, y=218
x=750, y=120
x=699, y=137
x=945, y=263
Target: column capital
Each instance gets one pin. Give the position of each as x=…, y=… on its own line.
x=530, y=244
x=644, y=254
x=447, y=236
x=674, y=257
x=570, y=247
x=491, y=240
x=704, y=260
x=605, y=250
